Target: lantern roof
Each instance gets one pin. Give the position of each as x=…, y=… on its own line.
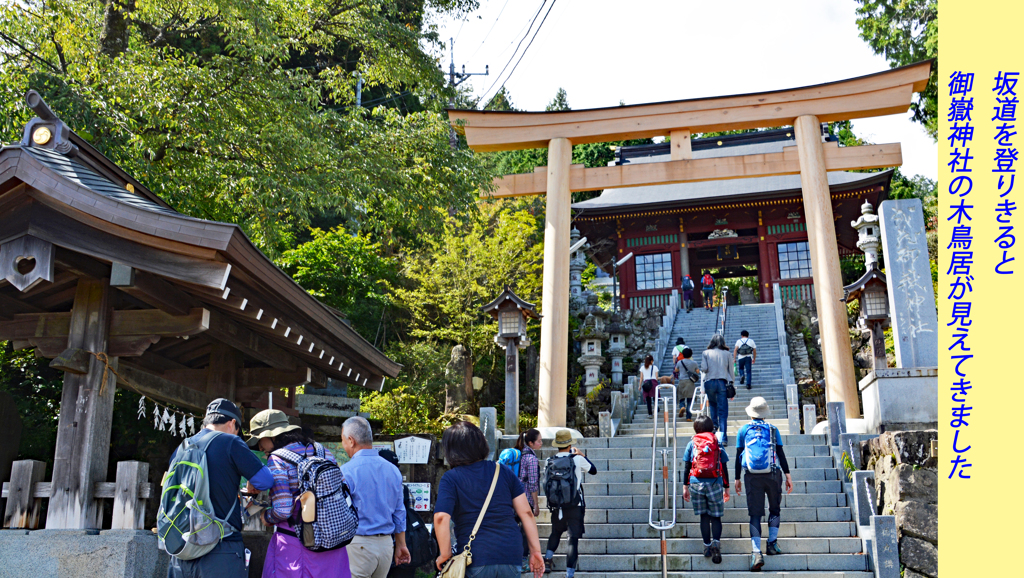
x=528, y=309
x=873, y=274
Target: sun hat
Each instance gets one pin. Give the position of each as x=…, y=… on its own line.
x=267, y=424
x=563, y=439
x=758, y=408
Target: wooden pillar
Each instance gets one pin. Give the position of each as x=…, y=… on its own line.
x=680, y=145
x=129, y=508
x=86, y=410
x=222, y=374
x=764, y=277
x=23, y=507
x=511, y=388
x=554, y=328
x=840, y=379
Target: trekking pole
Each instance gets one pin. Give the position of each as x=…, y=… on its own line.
x=668, y=398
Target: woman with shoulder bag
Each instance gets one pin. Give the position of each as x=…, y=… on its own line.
x=483, y=499
x=286, y=556
x=649, y=382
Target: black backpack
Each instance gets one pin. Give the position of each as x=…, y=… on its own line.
x=560, y=484
x=687, y=284
x=421, y=544
x=745, y=348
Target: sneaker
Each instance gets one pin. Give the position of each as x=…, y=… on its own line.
x=716, y=555
x=756, y=561
x=773, y=548
x=748, y=386
x=742, y=379
x=547, y=565
x=707, y=551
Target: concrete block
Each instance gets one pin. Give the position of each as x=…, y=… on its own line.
x=844, y=545
x=834, y=514
x=649, y=563
x=607, y=562
x=900, y=399
x=792, y=394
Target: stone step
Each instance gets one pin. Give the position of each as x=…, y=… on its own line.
x=730, y=562
x=729, y=530
x=824, y=545
x=738, y=515
x=640, y=465
x=609, y=474
x=721, y=574
x=641, y=502
x=632, y=489
x=639, y=442
x=644, y=453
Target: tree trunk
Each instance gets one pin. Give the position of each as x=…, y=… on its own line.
x=456, y=392
x=114, y=37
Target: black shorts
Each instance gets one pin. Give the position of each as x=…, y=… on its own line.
x=759, y=485
x=571, y=520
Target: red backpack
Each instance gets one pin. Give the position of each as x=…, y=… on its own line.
x=706, y=458
x=708, y=280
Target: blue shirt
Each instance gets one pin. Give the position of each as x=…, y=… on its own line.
x=461, y=494
x=376, y=486
x=228, y=460
x=688, y=457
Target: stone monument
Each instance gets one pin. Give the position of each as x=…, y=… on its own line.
x=906, y=398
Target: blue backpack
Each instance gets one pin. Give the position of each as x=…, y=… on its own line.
x=510, y=457
x=759, y=448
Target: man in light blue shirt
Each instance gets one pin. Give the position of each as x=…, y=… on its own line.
x=376, y=487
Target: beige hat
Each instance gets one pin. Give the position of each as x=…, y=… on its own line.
x=758, y=408
x=563, y=439
x=267, y=424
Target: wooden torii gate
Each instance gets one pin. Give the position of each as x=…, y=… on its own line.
x=879, y=94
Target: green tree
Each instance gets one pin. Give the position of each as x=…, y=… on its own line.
x=904, y=32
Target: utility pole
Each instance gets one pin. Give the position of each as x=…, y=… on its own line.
x=359, y=89
x=455, y=79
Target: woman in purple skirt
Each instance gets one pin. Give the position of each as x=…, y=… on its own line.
x=286, y=556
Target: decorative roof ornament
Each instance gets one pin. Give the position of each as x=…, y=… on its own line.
x=46, y=130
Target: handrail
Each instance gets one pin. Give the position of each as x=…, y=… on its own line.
x=663, y=526
x=699, y=403
x=722, y=312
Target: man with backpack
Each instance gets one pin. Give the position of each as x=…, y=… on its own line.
x=206, y=470
x=759, y=452
x=688, y=288
x=704, y=469
x=707, y=287
x=377, y=493
x=745, y=352
x=563, y=488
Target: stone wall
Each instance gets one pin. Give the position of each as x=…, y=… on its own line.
x=644, y=324
x=907, y=486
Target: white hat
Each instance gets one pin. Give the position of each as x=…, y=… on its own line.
x=758, y=408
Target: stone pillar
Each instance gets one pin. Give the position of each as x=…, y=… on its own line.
x=837, y=355
x=511, y=388
x=836, y=416
x=554, y=328
x=577, y=263
x=86, y=411
x=810, y=418
x=488, y=421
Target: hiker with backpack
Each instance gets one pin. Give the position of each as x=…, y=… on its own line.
x=689, y=376
x=759, y=454
x=563, y=487
x=309, y=499
x=200, y=519
x=716, y=363
x=688, y=288
x=705, y=471
x=707, y=287
x=377, y=493
x=649, y=382
x=483, y=499
x=745, y=352
x=522, y=460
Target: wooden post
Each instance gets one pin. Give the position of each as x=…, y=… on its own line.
x=129, y=508
x=840, y=379
x=680, y=145
x=86, y=410
x=511, y=388
x=878, y=346
x=22, y=509
x=222, y=374
x=554, y=328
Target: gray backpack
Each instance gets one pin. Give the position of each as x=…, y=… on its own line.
x=745, y=348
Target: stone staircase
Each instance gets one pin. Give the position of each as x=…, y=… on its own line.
x=817, y=533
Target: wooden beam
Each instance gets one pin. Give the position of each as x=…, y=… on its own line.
x=887, y=92
x=250, y=343
x=101, y=490
x=153, y=290
x=160, y=388
x=258, y=378
x=696, y=170
x=222, y=373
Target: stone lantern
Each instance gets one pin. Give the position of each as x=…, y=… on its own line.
x=577, y=263
x=617, y=334
x=868, y=234
x=871, y=290
x=590, y=336
x=512, y=314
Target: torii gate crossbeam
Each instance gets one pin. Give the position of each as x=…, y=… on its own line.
x=879, y=94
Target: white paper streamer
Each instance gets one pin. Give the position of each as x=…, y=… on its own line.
x=156, y=417
x=173, y=428
x=192, y=424
x=142, y=407
x=182, y=425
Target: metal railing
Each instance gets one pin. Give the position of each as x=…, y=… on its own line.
x=665, y=395
x=723, y=310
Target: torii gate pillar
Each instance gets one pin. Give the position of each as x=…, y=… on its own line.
x=837, y=356
x=554, y=328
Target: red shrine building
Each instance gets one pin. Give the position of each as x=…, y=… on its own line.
x=734, y=228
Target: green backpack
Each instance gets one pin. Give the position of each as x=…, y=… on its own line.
x=186, y=524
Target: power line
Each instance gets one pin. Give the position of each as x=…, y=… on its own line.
x=531, y=42
x=516, y=50
x=488, y=35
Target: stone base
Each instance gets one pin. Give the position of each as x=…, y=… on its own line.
x=901, y=399
x=76, y=554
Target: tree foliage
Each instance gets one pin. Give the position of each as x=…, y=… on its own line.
x=905, y=32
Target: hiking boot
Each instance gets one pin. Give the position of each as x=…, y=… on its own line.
x=742, y=379
x=716, y=555
x=707, y=551
x=773, y=548
x=756, y=561
x=748, y=385
x=547, y=565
